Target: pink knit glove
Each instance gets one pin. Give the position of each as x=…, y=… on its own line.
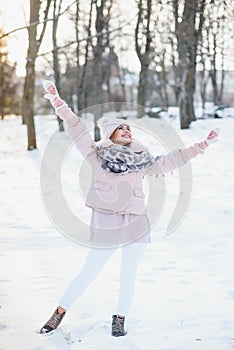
x=53, y=95
x=212, y=137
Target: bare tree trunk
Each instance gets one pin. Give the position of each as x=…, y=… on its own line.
x=187, y=38
x=77, y=20
x=185, y=31
x=97, y=67
x=217, y=37
x=141, y=96
x=165, y=103
x=217, y=34
x=29, y=83
x=82, y=97
x=203, y=80
x=143, y=51
x=121, y=83
x=108, y=76
x=213, y=71
x=176, y=84
x=69, y=74
x=56, y=13
x=110, y=57
x=102, y=18
x=28, y=103
x=203, y=75
x=222, y=36
x=220, y=98
x=97, y=90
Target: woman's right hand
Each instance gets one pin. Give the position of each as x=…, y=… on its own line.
x=53, y=95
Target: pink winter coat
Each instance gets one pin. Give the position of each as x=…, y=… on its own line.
x=122, y=193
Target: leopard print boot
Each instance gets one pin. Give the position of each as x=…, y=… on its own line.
x=118, y=326
x=53, y=322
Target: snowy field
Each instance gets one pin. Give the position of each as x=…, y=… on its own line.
x=185, y=285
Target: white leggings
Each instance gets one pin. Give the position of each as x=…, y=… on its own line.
x=95, y=261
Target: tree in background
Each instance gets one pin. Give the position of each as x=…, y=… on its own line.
x=35, y=36
x=143, y=40
x=9, y=101
x=188, y=27
x=217, y=38
x=163, y=52
x=168, y=44
x=82, y=95
x=103, y=14
x=56, y=14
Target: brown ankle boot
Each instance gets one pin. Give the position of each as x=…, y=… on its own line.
x=53, y=322
x=118, y=326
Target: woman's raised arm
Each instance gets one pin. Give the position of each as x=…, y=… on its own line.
x=179, y=157
x=77, y=127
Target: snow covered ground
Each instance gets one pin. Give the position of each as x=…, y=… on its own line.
x=185, y=285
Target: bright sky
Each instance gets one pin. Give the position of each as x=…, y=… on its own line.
x=14, y=14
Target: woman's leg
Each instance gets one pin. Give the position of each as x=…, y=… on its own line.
x=131, y=256
x=95, y=261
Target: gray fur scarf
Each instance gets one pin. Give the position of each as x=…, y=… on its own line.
x=119, y=159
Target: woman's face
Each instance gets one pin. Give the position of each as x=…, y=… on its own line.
x=122, y=135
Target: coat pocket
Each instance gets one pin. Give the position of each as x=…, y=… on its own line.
x=138, y=192
x=102, y=186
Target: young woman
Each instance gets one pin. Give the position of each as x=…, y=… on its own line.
x=116, y=198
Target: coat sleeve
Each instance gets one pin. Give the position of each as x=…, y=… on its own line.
x=173, y=160
x=78, y=131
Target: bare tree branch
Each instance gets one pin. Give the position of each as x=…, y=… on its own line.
x=90, y=37
x=44, y=21
x=39, y=22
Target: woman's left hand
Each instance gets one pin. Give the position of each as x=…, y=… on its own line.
x=211, y=138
